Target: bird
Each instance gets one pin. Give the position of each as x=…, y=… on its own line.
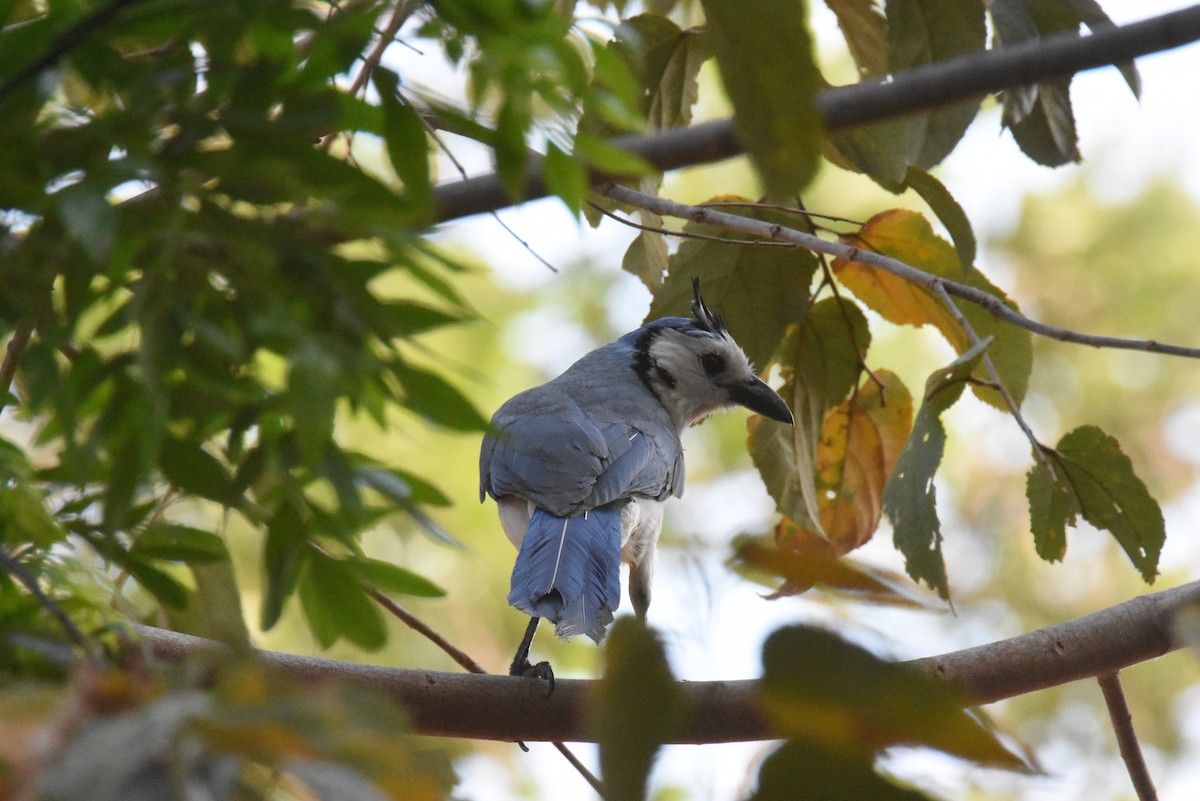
x=580, y=466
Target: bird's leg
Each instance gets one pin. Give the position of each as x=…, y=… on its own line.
x=520, y=664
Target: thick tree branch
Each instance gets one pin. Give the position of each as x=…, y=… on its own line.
x=916, y=90
x=506, y=708
x=990, y=303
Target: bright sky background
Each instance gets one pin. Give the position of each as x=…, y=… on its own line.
x=1126, y=144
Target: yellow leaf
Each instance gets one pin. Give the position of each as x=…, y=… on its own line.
x=907, y=236
x=861, y=440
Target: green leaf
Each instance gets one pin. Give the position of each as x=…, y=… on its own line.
x=509, y=144
x=90, y=220
x=162, y=585
x=565, y=177
x=433, y=397
x=403, y=488
x=214, y=610
x=834, y=695
x=910, y=499
x=314, y=377
x=865, y=30
x=678, y=88
x=1047, y=132
x=285, y=553
x=646, y=256
x=408, y=318
x=635, y=709
x=336, y=605
x=23, y=512
x=195, y=471
x=732, y=278
x=1040, y=116
x=943, y=204
x=879, y=150
x=386, y=577
x=825, y=774
x=822, y=357
x=407, y=144
x=1094, y=478
x=179, y=543
x=615, y=95
x=767, y=66
x=923, y=32
x=610, y=159
x=667, y=61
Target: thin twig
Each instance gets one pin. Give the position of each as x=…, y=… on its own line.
x=471, y=666
x=1013, y=407
x=1127, y=741
x=990, y=303
x=588, y=776
x=751, y=204
x=827, y=279
x=419, y=626
x=400, y=14
x=18, y=571
x=690, y=234
x=430, y=128
x=12, y=355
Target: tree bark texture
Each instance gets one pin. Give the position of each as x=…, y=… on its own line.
x=489, y=707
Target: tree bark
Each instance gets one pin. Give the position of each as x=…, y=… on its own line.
x=506, y=708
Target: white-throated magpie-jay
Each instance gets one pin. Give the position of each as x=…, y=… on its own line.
x=581, y=465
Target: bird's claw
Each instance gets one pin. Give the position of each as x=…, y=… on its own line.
x=541, y=670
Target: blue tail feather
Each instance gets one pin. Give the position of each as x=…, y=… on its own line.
x=568, y=571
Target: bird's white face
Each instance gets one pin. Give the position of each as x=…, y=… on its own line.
x=694, y=376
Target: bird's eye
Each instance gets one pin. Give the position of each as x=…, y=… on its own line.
x=712, y=363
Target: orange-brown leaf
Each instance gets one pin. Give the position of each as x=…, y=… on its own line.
x=860, y=443
x=907, y=236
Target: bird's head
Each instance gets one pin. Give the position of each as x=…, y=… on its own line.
x=695, y=368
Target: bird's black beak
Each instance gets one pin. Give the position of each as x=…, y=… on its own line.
x=757, y=396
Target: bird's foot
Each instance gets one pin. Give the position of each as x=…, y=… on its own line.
x=541, y=670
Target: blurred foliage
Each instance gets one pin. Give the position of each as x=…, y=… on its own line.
x=237, y=347
x=253, y=734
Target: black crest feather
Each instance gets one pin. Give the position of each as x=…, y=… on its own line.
x=705, y=316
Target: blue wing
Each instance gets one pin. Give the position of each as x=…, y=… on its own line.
x=567, y=459
x=568, y=571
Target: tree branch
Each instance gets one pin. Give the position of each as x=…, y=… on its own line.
x=990, y=303
x=1127, y=742
x=505, y=708
x=919, y=89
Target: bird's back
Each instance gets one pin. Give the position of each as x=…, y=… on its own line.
x=591, y=436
